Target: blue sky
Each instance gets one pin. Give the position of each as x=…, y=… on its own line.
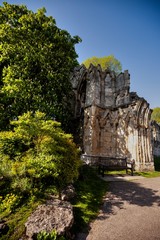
x=128, y=29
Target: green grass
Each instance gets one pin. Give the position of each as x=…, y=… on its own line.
x=148, y=174
x=143, y=174
x=155, y=173
x=90, y=190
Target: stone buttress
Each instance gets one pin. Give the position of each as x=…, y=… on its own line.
x=116, y=122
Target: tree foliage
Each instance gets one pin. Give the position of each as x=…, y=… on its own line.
x=36, y=58
x=109, y=62
x=37, y=152
x=156, y=114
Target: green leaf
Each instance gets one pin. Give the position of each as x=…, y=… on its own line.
x=35, y=64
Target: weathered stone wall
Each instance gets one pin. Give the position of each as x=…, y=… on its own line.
x=116, y=121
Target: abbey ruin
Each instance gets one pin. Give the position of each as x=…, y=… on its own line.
x=115, y=121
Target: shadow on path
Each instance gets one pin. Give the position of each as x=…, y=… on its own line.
x=143, y=193
x=131, y=192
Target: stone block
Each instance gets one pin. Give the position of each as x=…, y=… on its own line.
x=55, y=214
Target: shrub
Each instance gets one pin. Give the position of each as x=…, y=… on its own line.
x=49, y=236
x=37, y=152
x=9, y=203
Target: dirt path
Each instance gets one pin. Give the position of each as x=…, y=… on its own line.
x=131, y=211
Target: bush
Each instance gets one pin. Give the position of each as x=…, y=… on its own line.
x=157, y=163
x=49, y=236
x=10, y=202
x=37, y=152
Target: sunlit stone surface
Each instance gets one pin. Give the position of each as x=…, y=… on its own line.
x=116, y=122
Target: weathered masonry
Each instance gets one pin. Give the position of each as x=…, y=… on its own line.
x=115, y=121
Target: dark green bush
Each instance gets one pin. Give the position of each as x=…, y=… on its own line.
x=157, y=163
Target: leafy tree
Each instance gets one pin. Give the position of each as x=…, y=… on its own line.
x=36, y=60
x=109, y=62
x=156, y=114
x=36, y=153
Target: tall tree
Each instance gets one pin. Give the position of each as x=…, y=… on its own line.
x=36, y=60
x=109, y=62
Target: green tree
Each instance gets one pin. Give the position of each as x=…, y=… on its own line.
x=36, y=153
x=109, y=62
x=156, y=114
x=36, y=58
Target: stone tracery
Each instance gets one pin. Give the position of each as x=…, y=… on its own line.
x=116, y=121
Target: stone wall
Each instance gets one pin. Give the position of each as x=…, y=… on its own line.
x=116, y=122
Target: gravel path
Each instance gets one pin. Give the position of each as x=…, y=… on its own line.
x=131, y=211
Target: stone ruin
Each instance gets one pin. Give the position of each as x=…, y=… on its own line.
x=114, y=121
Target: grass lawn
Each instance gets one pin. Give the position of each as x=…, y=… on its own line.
x=90, y=190
x=148, y=174
x=143, y=174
